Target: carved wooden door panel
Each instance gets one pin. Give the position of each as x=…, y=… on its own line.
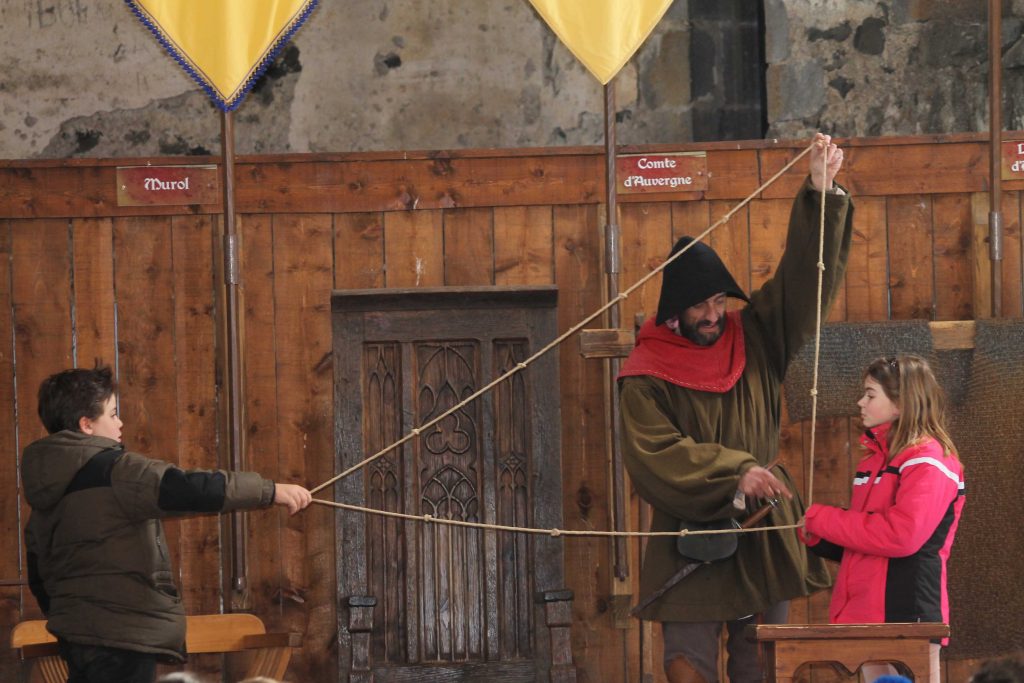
x=430, y=601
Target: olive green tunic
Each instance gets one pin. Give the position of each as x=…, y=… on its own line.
x=686, y=449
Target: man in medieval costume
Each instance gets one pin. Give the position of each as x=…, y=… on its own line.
x=700, y=405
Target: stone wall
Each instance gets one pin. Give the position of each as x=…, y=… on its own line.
x=84, y=78
x=889, y=67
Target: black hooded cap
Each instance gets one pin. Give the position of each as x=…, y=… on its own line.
x=692, y=278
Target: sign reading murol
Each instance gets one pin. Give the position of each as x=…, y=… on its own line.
x=167, y=185
x=663, y=172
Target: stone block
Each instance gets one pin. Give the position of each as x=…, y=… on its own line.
x=1012, y=29
x=723, y=10
x=703, y=62
x=869, y=37
x=837, y=33
x=664, y=80
x=795, y=90
x=1014, y=57
x=946, y=43
x=925, y=10
x=777, y=42
x=730, y=123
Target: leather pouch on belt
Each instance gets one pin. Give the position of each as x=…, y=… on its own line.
x=708, y=547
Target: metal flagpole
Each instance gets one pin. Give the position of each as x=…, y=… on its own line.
x=612, y=268
x=232, y=337
x=995, y=215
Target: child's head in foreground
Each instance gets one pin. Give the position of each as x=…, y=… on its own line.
x=902, y=390
x=1001, y=670
x=81, y=400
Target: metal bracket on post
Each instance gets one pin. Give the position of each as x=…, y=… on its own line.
x=995, y=243
x=232, y=266
x=613, y=256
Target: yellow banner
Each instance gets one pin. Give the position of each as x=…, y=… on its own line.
x=603, y=34
x=225, y=45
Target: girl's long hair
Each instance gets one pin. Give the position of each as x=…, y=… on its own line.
x=908, y=381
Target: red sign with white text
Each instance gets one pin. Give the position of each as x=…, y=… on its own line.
x=1012, y=166
x=167, y=185
x=672, y=172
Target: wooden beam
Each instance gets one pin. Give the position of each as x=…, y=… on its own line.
x=604, y=343
x=890, y=631
x=952, y=334
x=401, y=181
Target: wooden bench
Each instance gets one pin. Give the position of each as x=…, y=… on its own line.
x=787, y=647
x=204, y=633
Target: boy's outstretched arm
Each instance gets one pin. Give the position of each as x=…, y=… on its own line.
x=293, y=496
x=147, y=488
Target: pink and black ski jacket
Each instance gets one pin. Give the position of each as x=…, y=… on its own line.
x=894, y=540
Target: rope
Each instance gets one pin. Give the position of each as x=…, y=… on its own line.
x=565, y=335
x=430, y=519
x=817, y=332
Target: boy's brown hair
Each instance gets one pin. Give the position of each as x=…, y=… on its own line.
x=68, y=396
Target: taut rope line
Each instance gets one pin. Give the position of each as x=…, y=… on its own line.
x=568, y=333
x=817, y=334
x=430, y=519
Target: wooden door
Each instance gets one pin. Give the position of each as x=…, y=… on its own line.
x=447, y=602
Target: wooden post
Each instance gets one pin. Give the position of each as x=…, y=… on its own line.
x=981, y=262
x=612, y=267
x=360, y=627
x=558, y=618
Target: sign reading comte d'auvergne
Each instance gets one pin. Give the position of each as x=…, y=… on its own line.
x=167, y=185
x=1013, y=160
x=669, y=172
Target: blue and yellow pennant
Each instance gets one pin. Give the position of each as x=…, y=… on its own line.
x=602, y=34
x=225, y=45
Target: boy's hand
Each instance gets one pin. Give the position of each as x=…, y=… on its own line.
x=293, y=496
x=824, y=148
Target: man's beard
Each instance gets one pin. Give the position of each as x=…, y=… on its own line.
x=700, y=333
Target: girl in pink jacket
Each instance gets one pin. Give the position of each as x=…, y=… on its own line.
x=908, y=492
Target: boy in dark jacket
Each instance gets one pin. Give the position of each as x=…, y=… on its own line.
x=97, y=560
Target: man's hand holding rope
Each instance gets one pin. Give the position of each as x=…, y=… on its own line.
x=823, y=173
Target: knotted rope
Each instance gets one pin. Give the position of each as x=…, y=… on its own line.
x=558, y=341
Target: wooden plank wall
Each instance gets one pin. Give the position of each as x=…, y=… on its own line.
x=81, y=279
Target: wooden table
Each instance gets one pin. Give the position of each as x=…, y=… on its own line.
x=787, y=647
